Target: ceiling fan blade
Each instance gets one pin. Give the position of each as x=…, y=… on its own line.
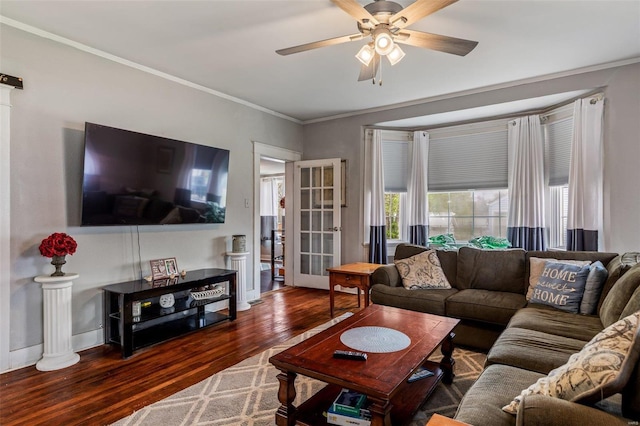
x=368, y=72
x=446, y=44
x=317, y=44
x=418, y=10
x=359, y=13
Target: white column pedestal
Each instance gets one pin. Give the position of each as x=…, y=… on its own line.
x=56, y=294
x=239, y=263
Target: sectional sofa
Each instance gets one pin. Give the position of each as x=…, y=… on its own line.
x=525, y=341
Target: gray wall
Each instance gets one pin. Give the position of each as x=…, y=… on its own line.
x=343, y=138
x=65, y=87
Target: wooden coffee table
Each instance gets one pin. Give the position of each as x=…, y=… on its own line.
x=382, y=377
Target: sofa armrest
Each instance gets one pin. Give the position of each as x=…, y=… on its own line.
x=547, y=411
x=388, y=275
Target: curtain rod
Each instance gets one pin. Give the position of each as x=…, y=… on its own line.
x=597, y=94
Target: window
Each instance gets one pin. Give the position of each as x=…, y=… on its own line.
x=475, y=156
x=468, y=214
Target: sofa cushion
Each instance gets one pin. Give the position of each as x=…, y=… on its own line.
x=422, y=271
x=498, y=270
x=616, y=269
x=595, y=281
x=448, y=259
x=537, y=265
x=601, y=369
x=429, y=301
x=550, y=320
x=561, y=285
x=619, y=296
x=493, y=389
x=532, y=350
x=543, y=410
x=494, y=307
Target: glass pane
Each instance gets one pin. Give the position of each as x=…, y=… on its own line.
x=392, y=215
x=327, y=262
x=461, y=203
x=328, y=177
x=493, y=226
x=439, y=204
x=327, y=220
x=316, y=243
x=317, y=198
x=327, y=243
x=438, y=225
x=304, y=264
x=316, y=177
x=304, y=177
x=504, y=202
x=462, y=228
x=316, y=220
x=316, y=265
x=481, y=226
x=305, y=196
x=486, y=203
x=304, y=221
x=305, y=241
x=328, y=198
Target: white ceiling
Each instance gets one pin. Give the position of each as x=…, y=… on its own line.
x=229, y=46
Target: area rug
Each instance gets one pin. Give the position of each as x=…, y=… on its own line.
x=246, y=394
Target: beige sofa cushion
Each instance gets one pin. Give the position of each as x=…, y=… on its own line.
x=422, y=271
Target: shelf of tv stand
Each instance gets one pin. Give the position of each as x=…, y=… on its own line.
x=157, y=324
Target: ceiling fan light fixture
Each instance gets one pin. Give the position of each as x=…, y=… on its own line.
x=395, y=55
x=383, y=42
x=366, y=54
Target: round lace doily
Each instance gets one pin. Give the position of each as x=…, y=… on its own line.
x=375, y=339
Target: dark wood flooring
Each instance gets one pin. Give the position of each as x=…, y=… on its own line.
x=103, y=388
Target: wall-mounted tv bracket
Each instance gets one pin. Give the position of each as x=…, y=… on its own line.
x=10, y=80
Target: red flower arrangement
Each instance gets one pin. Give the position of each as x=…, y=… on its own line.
x=58, y=244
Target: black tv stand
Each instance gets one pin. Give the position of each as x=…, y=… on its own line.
x=156, y=324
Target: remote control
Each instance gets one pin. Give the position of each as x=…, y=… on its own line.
x=420, y=374
x=358, y=356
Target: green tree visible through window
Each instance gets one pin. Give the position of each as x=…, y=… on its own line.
x=392, y=215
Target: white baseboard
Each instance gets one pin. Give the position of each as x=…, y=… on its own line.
x=26, y=357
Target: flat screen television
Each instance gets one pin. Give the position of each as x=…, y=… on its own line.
x=132, y=178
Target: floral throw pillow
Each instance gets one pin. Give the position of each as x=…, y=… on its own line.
x=602, y=368
x=422, y=271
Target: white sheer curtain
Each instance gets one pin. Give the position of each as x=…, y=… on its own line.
x=417, y=200
x=269, y=196
x=585, y=214
x=374, y=197
x=526, y=220
x=554, y=216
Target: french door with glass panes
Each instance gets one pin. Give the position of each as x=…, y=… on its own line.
x=316, y=239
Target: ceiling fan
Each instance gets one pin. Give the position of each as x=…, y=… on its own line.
x=385, y=22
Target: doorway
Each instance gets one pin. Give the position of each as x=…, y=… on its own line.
x=272, y=218
x=285, y=158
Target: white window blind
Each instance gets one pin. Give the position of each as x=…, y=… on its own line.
x=558, y=149
x=395, y=162
x=471, y=161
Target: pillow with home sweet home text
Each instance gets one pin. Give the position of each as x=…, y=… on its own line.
x=561, y=285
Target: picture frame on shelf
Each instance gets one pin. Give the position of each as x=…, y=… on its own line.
x=164, y=268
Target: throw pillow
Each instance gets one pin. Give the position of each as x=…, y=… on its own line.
x=536, y=266
x=422, y=271
x=593, y=288
x=601, y=369
x=561, y=285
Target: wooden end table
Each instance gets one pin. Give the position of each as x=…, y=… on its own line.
x=382, y=377
x=438, y=420
x=351, y=275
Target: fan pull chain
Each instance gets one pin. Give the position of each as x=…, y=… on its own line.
x=380, y=82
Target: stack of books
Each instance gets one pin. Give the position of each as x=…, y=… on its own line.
x=349, y=409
